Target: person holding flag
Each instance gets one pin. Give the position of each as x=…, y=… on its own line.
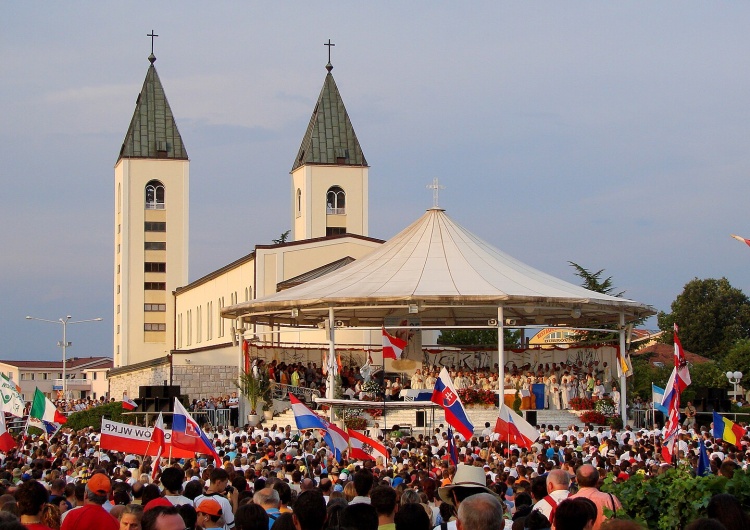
x=336, y=439
x=446, y=395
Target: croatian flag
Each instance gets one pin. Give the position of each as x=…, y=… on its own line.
x=186, y=434
x=446, y=395
x=363, y=448
x=513, y=428
x=393, y=347
x=336, y=439
x=128, y=404
x=452, y=451
x=157, y=437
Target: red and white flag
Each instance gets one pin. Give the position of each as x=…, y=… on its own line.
x=158, y=438
x=128, y=404
x=7, y=442
x=393, y=347
x=678, y=381
x=514, y=429
x=363, y=448
x=738, y=238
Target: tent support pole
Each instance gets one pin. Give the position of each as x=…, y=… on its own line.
x=623, y=377
x=500, y=357
x=330, y=387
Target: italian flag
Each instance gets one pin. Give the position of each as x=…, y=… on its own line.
x=43, y=409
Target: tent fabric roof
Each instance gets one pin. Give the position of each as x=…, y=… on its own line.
x=448, y=272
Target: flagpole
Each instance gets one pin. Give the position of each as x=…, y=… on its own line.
x=623, y=374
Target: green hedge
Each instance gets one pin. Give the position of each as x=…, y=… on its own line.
x=93, y=417
x=674, y=498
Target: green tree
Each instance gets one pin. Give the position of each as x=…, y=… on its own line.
x=738, y=359
x=712, y=316
x=283, y=238
x=477, y=337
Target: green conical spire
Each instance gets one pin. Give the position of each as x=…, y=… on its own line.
x=153, y=132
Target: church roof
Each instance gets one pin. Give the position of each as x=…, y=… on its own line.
x=313, y=274
x=330, y=137
x=153, y=132
x=444, y=271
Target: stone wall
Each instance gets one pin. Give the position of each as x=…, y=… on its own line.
x=205, y=381
x=131, y=381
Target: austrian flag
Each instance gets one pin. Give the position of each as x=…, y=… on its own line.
x=363, y=448
x=393, y=347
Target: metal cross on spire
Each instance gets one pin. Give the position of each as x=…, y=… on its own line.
x=435, y=187
x=329, y=66
x=152, y=35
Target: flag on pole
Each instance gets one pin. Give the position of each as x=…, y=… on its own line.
x=43, y=409
x=738, y=238
x=446, y=395
x=452, y=451
x=513, y=428
x=704, y=464
x=657, y=396
x=7, y=442
x=128, y=404
x=336, y=439
x=10, y=394
x=678, y=381
x=363, y=448
x=186, y=434
x=393, y=347
x=158, y=437
x=304, y=417
x=624, y=366
x=727, y=430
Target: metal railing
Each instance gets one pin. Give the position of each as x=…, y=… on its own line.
x=154, y=205
x=58, y=383
x=335, y=211
x=305, y=394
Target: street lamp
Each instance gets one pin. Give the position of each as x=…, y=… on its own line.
x=734, y=379
x=64, y=344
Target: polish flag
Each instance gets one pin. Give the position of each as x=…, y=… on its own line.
x=363, y=448
x=514, y=429
x=157, y=437
x=393, y=347
x=128, y=404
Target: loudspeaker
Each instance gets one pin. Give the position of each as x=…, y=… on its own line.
x=420, y=418
x=530, y=416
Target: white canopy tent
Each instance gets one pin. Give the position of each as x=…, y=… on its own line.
x=439, y=271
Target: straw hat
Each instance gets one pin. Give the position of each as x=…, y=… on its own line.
x=465, y=477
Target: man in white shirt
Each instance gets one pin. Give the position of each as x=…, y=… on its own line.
x=558, y=482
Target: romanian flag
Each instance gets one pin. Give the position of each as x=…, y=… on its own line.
x=727, y=430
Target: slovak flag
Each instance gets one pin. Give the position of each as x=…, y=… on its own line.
x=158, y=438
x=452, y=451
x=128, y=404
x=393, y=347
x=446, y=395
x=363, y=448
x=514, y=429
x=186, y=434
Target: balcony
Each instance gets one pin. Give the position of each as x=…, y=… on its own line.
x=335, y=211
x=73, y=384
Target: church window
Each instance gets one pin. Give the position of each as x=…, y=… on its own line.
x=155, y=245
x=335, y=201
x=154, y=327
x=299, y=202
x=155, y=286
x=335, y=230
x=155, y=307
x=154, y=195
x=198, y=324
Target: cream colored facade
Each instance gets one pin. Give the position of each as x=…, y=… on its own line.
x=314, y=210
x=86, y=377
x=144, y=308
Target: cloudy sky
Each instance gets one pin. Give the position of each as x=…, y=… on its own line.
x=610, y=134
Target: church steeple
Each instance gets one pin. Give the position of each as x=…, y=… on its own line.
x=330, y=173
x=153, y=132
x=330, y=137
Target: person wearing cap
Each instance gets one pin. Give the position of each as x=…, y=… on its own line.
x=92, y=515
x=218, y=491
x=209, y=513
x=467, y=481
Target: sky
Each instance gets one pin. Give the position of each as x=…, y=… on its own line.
x=610, y=134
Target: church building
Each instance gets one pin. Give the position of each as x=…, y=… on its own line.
x=168, y=330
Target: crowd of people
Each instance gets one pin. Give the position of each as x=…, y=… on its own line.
x=273, y=477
